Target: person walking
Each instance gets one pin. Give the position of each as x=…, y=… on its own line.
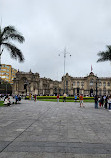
x=75, y=97
x=57, y=97
x=16, y=99
x=96, y=102
x=81, y=100
x=109, y=101
x=35, y=97
x=30, y=96
x=99, y=101
x=64, y=97
x=106, y=101
x=102, y=101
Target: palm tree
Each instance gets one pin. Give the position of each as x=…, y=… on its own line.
x=7, y=34
x=105, y=56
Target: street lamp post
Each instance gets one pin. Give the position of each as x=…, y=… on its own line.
x=6, y=88
x=65, y=53
x=0, y=56
x=97, y=86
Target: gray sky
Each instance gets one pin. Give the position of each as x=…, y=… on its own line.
x=82, y=26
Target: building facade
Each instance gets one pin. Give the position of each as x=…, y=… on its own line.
x=90, y=85
x=7, y=73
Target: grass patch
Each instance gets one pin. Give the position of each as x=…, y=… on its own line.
x=61, y=100
x=1, y=103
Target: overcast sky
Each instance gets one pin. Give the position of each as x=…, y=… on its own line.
x=82, y=26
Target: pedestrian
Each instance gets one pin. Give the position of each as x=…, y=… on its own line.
x=81, y=100
x=57, y=97
x=35, y=97
x=64, y=97
x=106, y=101
x=96, y=102
x=16, y=99
x=75, y=97
x=109, y=101
x=7, y=101
x=102, y=101
x=99, y=101
x=30, y=96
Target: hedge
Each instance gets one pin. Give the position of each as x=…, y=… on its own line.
x=61, y=97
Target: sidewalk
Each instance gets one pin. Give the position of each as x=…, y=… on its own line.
x=54, y=130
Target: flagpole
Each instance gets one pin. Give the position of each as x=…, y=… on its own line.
x=91, y=68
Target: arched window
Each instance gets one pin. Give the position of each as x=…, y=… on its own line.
x=100, y=84
x=91, y=82
x=73, y=83
x=82, y=83
x=108, y=84
x=104, y=84
x=104, y=91
x=78, y=83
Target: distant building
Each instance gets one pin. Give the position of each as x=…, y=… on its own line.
x=7, y=73
x=28, y=82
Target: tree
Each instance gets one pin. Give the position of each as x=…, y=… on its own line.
x=7, y=34
x=105, y=56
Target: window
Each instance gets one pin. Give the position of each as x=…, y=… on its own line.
x=104, y=83
x=78, y=83
x=108, y=84
x=82, y=83
x=100, y=84
x=73, y=83
x=91, y=82
x=3, y=73
x=104, y=91
x=2, y=76
x=3, y=69
x=67, y=83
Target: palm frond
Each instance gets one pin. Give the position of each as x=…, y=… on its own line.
x=105, y=56
x=14, y=51
x=109, y=47
x=14, y=36
x=10, y=33
x=7, y=30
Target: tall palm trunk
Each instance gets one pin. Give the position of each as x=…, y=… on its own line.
x=0, y=56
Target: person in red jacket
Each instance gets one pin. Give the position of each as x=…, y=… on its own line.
x=57, y=97
x=35, y=97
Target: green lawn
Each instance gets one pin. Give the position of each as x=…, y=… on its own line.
x=1, y=103
x=61, y=100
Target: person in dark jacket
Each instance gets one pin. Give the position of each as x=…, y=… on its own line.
x=102, y=101
x=106, y=101
x=96, y=102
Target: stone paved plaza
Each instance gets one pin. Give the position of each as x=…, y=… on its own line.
x=54, y=130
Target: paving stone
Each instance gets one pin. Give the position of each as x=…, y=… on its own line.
x=54, y=130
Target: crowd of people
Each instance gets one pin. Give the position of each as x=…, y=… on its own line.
x=7, y=101
x=102, y=101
